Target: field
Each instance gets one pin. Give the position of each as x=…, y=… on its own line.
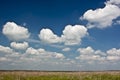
x=39, y=75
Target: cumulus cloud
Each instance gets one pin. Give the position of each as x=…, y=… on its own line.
x=117, y=2
x=44, y=53
x=66, y=49
x=33, y=51
x=72, y=35
x=48, y=36
x=113, y=54
x=38, y=57
x=30, y=52
x=102, y=17
x=59, y=55
x=6, y=53
x=5, y=50
x=41, y=57
x=19, y=46
x=15, y=32
x=89, y=53
x=87, y=50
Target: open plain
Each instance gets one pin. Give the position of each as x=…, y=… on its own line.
x=59, y=75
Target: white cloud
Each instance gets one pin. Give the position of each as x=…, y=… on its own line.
x=89, y=53
x=15, y=32
x=113, y=58
x=72, y=35
x=30, y=53
x=87, y=50
x=114, y=51
x=116, y=2
x=113, y=54
x=31, y=50
x=40, y=50
x=37, y=57
x=46, y=35
x=41, y=57
x=66, y=49
x=59, y=55
x=43, y=53
x=19, y=46
x=3, y=59
x=6, y=50
x=101, y=17
x=8, y=53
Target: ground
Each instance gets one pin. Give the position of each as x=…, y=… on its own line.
x=59, y=75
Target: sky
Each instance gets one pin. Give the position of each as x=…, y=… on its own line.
x=65, y=35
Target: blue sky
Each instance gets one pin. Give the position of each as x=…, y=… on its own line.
x=60, y=34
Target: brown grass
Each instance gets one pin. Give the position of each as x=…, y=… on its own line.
x=41, y=75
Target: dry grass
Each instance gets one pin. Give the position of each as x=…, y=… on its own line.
x=34, y=75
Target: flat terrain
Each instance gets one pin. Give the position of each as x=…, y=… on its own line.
x=44, y=75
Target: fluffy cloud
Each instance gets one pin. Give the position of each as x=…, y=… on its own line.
x=117, y=2
x=114, y=51
x=33, y=51
x=90, y=54
x=32, y=56
x=15, y=32
x=113, y=54
x=59, y=55
x=87, y=50
x=43, y=53
x=30, y=52
x=72, y=35
x=6, y=53
x=48, y=36
x=66, y=49
x=5, y=50
x=40, y=57
x=102, y=17
x=19, y=46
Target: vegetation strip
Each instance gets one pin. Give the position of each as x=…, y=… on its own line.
x=34, y=75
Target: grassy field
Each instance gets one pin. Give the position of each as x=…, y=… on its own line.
x=32, y=75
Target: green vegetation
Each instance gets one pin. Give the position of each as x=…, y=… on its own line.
x=22, y=75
